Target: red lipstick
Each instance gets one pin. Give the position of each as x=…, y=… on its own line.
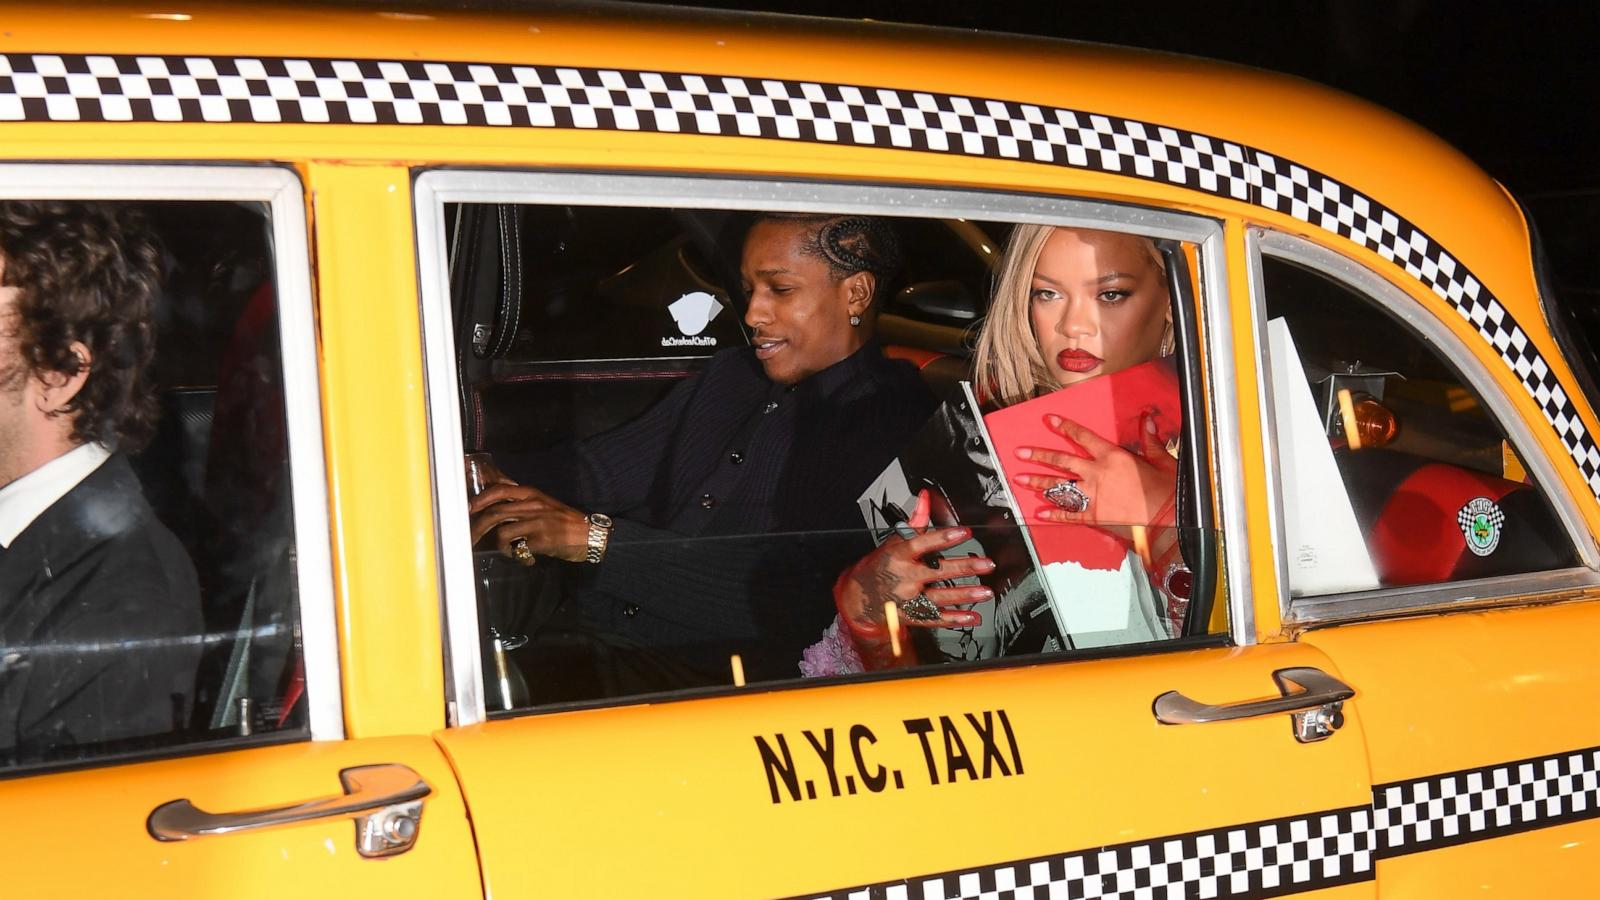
x=1078, y=361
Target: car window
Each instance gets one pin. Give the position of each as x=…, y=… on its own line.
x=1393, y=470
x=736, y=498
x=173, y=619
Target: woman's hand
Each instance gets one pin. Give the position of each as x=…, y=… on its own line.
x=508, y=511
x=896, y=572
x=1124, y=488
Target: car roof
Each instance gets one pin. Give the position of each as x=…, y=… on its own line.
x=1369, y=149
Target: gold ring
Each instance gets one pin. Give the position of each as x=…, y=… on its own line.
x=521, y=551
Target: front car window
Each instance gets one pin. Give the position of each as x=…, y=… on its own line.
x=744, y=482
x=1394, y=471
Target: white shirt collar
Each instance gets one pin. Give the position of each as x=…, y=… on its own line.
x=28, y=497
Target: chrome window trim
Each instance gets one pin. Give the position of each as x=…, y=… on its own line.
x=1269, y=424
x=1529, y=588
x=1401, y=305
x=281, y=190
x=434, y=188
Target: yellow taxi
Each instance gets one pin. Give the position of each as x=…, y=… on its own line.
x=394, y=238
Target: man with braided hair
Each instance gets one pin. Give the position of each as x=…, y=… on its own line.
x=99, y=604
x=725, y=511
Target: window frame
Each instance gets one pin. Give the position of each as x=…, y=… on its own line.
x=433, y=188
x=281, y=190
x=1504, y=590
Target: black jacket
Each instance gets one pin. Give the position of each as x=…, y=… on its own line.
x=735, y=506
x=100, y=626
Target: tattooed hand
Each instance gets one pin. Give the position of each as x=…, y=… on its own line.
x=896, y=572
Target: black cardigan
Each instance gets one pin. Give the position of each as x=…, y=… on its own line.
x=735, y=506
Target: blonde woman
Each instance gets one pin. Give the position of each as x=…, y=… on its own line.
x=1071, y=304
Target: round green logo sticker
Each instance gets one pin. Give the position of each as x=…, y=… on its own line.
x=1481, y=522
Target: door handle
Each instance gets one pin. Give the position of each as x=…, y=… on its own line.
x=386, y=800
x=1317, y=705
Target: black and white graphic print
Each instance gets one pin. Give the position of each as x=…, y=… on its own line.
x=1482, y=803
x=118, y=88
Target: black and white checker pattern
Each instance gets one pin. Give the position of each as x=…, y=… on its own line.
x=1464, y=517
x=1314, y=198
x=1292, y=855
x=1477, y=804
x=1264, y=859
x=109, y=88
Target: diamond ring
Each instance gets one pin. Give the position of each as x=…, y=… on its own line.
x=1068, y=496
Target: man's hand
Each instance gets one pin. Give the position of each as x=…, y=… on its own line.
x=506, y=511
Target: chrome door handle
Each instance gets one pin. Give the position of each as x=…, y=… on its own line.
x=1317, y=705
x=385, y=799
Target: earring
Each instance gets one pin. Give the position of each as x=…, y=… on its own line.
x=855, y=320
x=1169, y=342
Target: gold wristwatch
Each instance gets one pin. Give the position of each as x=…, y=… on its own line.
x=599, y=535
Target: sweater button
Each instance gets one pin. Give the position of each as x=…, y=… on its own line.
x=707, y=501
x=736, y=457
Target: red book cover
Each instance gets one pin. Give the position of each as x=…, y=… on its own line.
x=1112, y=406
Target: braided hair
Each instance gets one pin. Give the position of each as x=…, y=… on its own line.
x=847, y=244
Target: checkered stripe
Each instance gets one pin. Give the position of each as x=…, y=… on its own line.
x=1312, y=197
x=94, y=88
x=1477, y=804
x=1264, y=859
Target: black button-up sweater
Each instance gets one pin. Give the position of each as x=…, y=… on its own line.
x=735, y=506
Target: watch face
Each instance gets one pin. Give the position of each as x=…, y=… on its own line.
x=600, y=519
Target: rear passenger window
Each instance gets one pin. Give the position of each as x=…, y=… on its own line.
x=1394, y=471
x=156, y=604
x=688, y=427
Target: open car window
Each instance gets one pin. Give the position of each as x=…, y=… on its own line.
x=625, y=377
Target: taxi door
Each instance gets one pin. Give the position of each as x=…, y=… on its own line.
x=1054, y=775
x=1483, y=760
x=312, y=819
x=285, y=784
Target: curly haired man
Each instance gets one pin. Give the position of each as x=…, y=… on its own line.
x=99, y=604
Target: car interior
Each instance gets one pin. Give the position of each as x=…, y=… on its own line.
x=562, y=332
x=217, y=470
x=1413, y=441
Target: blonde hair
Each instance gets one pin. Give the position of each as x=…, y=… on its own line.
x=1008, y=366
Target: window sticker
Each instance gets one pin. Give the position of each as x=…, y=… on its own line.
x=1481, y=521
x=693, y=312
